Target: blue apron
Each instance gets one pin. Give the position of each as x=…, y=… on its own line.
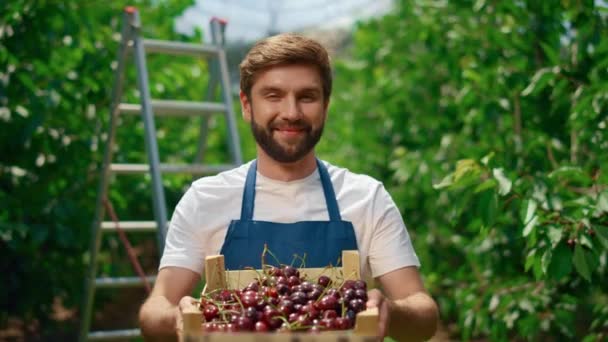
x=321, y=242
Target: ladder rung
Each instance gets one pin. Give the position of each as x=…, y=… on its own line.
x=179, y=48
x=170, y=168
x=131, y=226
x=174, y=108
x=114, y=282
x=113, y=334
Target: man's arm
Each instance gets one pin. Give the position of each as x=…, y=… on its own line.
x=407, y=311
x=160, y=315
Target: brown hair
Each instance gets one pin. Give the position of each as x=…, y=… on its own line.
x=285, y=49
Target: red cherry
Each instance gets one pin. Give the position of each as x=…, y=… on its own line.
x=324, y=281
x=244, y=323
x=360, y=284
x=349, y=284
x=293, y=317
x=330, y=314
x=342, y=323
x=361, y=294
x=327, y=303
x=303, y=320
x=289, y=271
x=260, y=326
x=210, y=312
x=293, y=281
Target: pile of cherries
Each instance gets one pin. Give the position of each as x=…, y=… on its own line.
x=281, y=300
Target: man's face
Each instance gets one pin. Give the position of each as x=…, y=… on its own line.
x=286, y=111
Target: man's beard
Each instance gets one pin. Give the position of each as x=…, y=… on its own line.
x=280, y=153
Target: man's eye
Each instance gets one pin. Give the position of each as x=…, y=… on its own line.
x=308, y=98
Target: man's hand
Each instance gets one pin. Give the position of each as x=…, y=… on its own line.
x=377, y=300
x=160, y=317
x=187, y=303
x=406, y=311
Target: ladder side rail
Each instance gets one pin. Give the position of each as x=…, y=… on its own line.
x=233, y=141
x=211, y=86
x=96, y=231
x=160, y=210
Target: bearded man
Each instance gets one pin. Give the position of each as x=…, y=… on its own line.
x=290, y=201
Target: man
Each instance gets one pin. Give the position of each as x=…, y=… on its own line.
x=302, y=205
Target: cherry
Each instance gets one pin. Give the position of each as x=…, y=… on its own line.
x=334, y=293
x=342, y=323
x=298, y=297
x=210, y=326
x=289, y=271
x=348, y=294
x=285, y=310
x=283, y=289
x=360, y=284
x=271, y=316
x=328, y=323
x=253, y=286
x=306, y=286
x=324, y=281
x=314, y=294
x=210, y=312
x=249, y=300
x=356, y=305
x=361, y=294
x=260, y=326
x=309, y=310
x=330, y=314
x=250, y=313
x=282, y=280
x=303, y=320
x=349, y=284
x=244, y=323
x=328, y=302
x=293, y=317
x=293, y=281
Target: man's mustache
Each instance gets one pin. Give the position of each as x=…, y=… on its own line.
x=292, y=125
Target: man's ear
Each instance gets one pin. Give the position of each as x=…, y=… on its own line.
x=246, y=106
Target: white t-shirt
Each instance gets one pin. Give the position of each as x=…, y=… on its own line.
x=201, y=218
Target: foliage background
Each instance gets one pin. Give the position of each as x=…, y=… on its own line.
x=485, y=120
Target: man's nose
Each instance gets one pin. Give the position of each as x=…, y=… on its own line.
x=292, y=109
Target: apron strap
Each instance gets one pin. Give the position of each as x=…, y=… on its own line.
x=330, y=196
x=249, y=193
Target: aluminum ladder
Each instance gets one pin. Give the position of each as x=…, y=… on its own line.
x=131, y=42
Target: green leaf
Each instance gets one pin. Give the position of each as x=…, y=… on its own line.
x=539, y=81
x=551, y=52
x=555, y=235
x=487, y=158
x=530, y=210
x=485, y=185
x=601, y=233
x=561, y=262
x=602, y=204
x=528, y=228
x=586, y=241
x=530, y=259
x=570, y=173
x=505, y=183
x=580, y=262
x=445, y=182
x=546, y=260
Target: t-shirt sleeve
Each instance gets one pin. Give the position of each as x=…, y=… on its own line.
x=391, y=247
x=183, y=247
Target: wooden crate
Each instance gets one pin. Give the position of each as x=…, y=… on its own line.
x=366, y=322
